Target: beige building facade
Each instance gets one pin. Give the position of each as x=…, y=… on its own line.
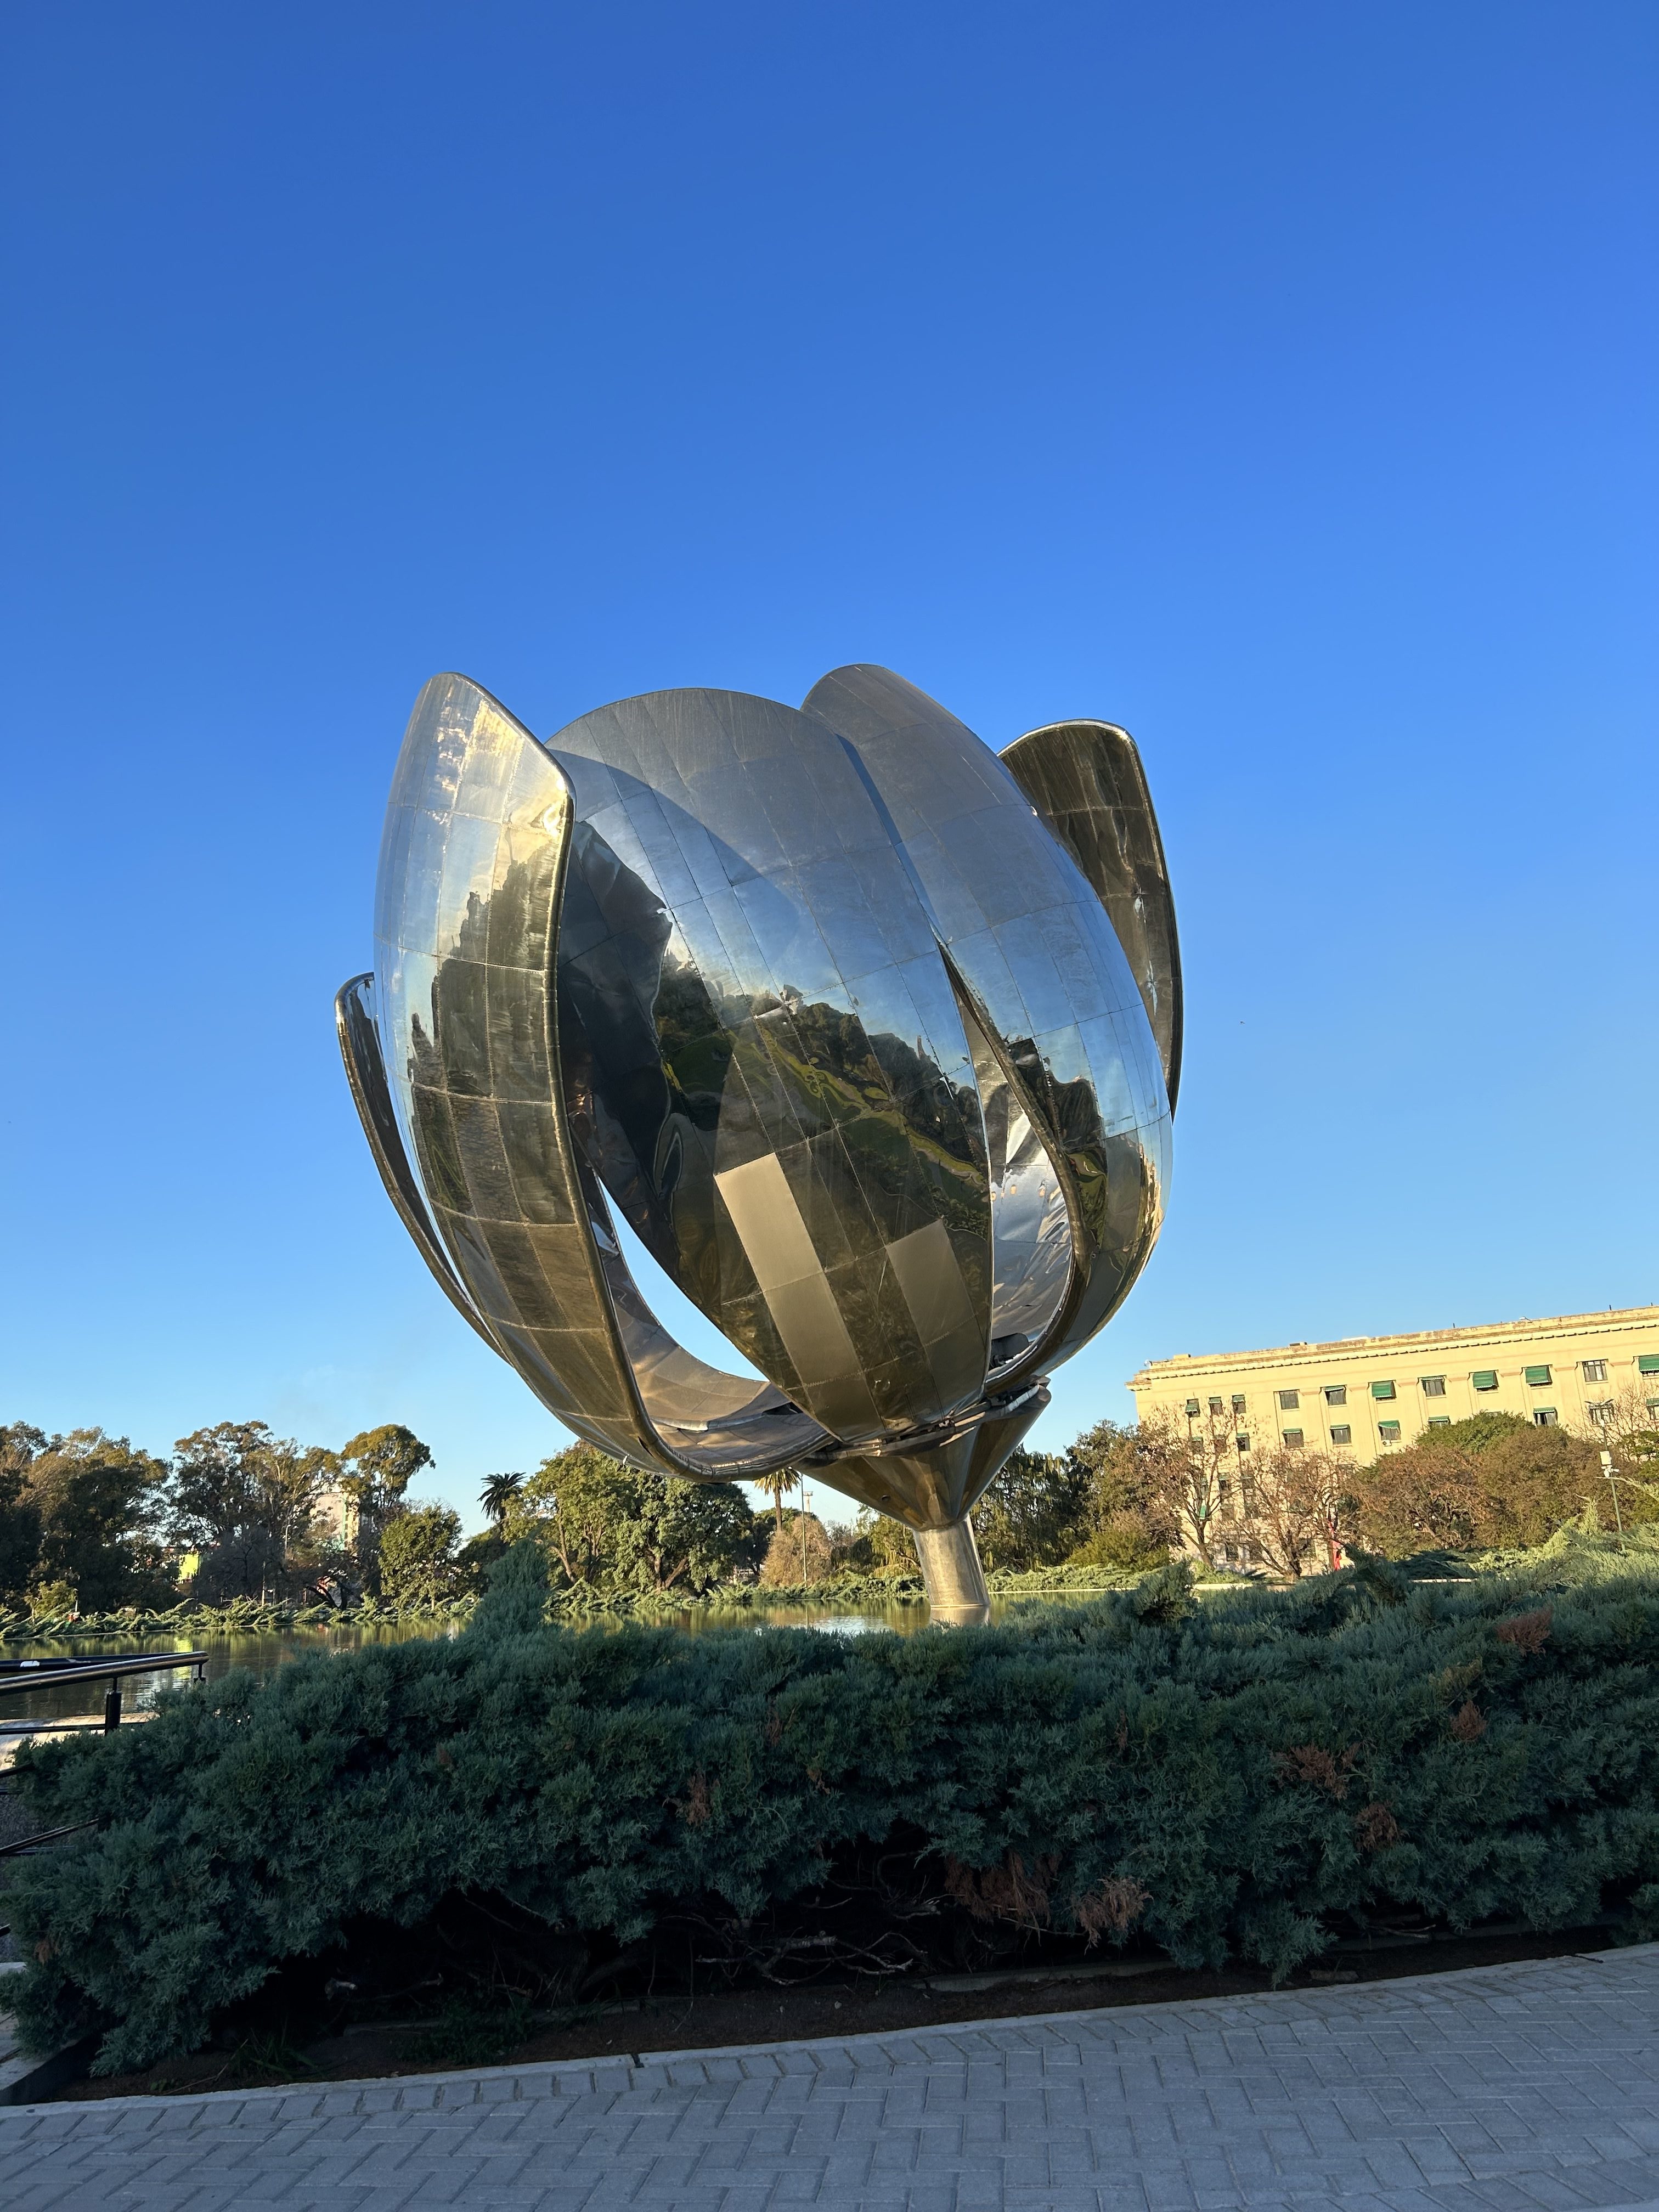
x=1360, y=1396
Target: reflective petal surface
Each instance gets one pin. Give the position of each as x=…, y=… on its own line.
x=478, y=838
x=1086, y=780
x=1034, y=951
x=864, y=1031
x=764, y=1060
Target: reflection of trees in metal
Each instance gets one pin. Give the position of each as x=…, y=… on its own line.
x=836, y=1022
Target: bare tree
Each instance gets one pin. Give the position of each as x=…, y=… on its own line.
x=1301, y=1508
x=1627, y=1427
x=1191, y=1472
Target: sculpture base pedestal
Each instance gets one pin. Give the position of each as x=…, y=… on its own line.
x=952, y=1575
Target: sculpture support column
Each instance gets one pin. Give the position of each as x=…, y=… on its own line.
x=951, y=1574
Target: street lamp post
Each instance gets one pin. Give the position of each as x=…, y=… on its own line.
x=1612, y=1481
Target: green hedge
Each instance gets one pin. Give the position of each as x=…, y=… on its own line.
x=1227, y=1780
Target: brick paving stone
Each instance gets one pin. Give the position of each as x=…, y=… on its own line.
x=1524, y=2088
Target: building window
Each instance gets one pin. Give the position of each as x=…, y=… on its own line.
x=1238, y=1401
x=1544, y=1416
x=1289, y=1400
x=1336, y=1393
x=1389, y=1431
x=1485, y=1378
x=1341, y=1433
x=1293, y=1438
x=1382, y=1389
x=1538, y=1377
x=1600, y=1411
x=1596, y=1371
x=1243, y=1442
x=1440, y=1421
x=1216, y=1405
x=1192, y=1409
x=1434, y=1386
x=1647, y=1362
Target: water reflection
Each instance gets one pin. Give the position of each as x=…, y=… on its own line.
x=83, y=1699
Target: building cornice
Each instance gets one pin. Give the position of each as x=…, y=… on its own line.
x=1491, y=1335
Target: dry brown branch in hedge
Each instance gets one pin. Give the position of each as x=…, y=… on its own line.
x=1313, y=1764
x=1004, y=1892
x=1111, y=1907
x=1527, y=1631
x=1374, y=1827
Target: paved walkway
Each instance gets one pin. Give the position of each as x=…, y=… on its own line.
x=1530, y=2087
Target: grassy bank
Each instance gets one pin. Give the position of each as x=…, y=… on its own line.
x=847, y=1592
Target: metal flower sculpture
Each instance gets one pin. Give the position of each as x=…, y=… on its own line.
x=870, y=1035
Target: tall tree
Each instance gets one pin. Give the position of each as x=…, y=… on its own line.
x=376, y=1467
x=1189, y=1472
x=1492, y=1481
x=247, y=1499
x=1037, y=1511
x=798, y=1553
x=684, y=1535
x=777, y=1485
x=20, y=1514
x=497, y=1495
x=884, y=1544
x=417, y=1553
x=96, y=1499
x=1130, y=1525
x=1301, y=1507
x=601, y=1522
x=571, y=1506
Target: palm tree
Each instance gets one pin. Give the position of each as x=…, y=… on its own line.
x=498, y=1493
x=775, y=1484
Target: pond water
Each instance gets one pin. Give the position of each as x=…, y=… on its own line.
x=84, y=1699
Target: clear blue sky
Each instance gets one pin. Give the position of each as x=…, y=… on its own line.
x=1278, y=380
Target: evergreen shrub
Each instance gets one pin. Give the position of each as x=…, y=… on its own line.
x=1234, y=1778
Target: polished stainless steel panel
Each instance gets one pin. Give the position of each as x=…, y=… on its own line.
x=839, y=1024
x=726, y=1036
x=466, y=932
x=1086, y=780
x=360, y=1048
x=1030, y=947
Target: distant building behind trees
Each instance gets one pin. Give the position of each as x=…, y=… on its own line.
x=1360, y=1396
x=1409, y=1436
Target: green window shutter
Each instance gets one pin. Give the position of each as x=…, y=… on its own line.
x=1485, y=1378
x=1538, y=1377
x=1389, y=1431
x=1647, y=1362
x=1382, y=1389
x=1440, y=1421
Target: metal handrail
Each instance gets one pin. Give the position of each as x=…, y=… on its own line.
x=45, y=1836
x=34, y=1675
